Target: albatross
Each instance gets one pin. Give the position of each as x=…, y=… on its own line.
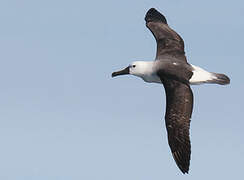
x=171, y=69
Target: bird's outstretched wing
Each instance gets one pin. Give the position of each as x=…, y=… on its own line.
x=169, y=43
x=179, y=104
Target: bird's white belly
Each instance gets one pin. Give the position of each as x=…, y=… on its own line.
x=152, y=78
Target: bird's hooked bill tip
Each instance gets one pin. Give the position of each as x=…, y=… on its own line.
x=122, y=72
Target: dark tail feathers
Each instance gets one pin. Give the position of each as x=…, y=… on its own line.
x=220, y=79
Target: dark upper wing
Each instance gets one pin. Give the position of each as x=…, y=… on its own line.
x=169, y=43
x=179, y=103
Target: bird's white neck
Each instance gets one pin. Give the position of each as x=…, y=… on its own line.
x=145, y=70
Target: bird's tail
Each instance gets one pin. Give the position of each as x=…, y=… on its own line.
x=221, y=79
x=201, y=76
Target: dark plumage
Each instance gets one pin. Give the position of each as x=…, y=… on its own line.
x=168, y=41
x=179, y=97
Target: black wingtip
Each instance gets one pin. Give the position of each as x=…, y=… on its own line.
x=182, y=161
x=155, y=16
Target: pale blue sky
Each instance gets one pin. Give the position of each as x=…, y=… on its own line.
x=63, y=117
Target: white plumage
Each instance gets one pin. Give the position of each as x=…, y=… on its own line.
x=201, y=76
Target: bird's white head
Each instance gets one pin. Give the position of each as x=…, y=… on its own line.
x=137, y=68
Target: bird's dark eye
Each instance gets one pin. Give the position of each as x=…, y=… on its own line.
x=133, y=66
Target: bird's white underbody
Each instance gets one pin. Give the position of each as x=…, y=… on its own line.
x=146, y=70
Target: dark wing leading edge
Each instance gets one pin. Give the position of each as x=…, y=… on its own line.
x=179, y=104
x=169, y=43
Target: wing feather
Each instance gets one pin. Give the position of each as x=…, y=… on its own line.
x=179, y=104
x=169, y=43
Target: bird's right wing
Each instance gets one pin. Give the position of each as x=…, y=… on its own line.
x=179, y=104
x=169, y=43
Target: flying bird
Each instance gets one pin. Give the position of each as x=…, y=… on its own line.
x=171, y=69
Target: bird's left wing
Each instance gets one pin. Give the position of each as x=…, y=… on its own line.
x=169, y=43
x=179, y=104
